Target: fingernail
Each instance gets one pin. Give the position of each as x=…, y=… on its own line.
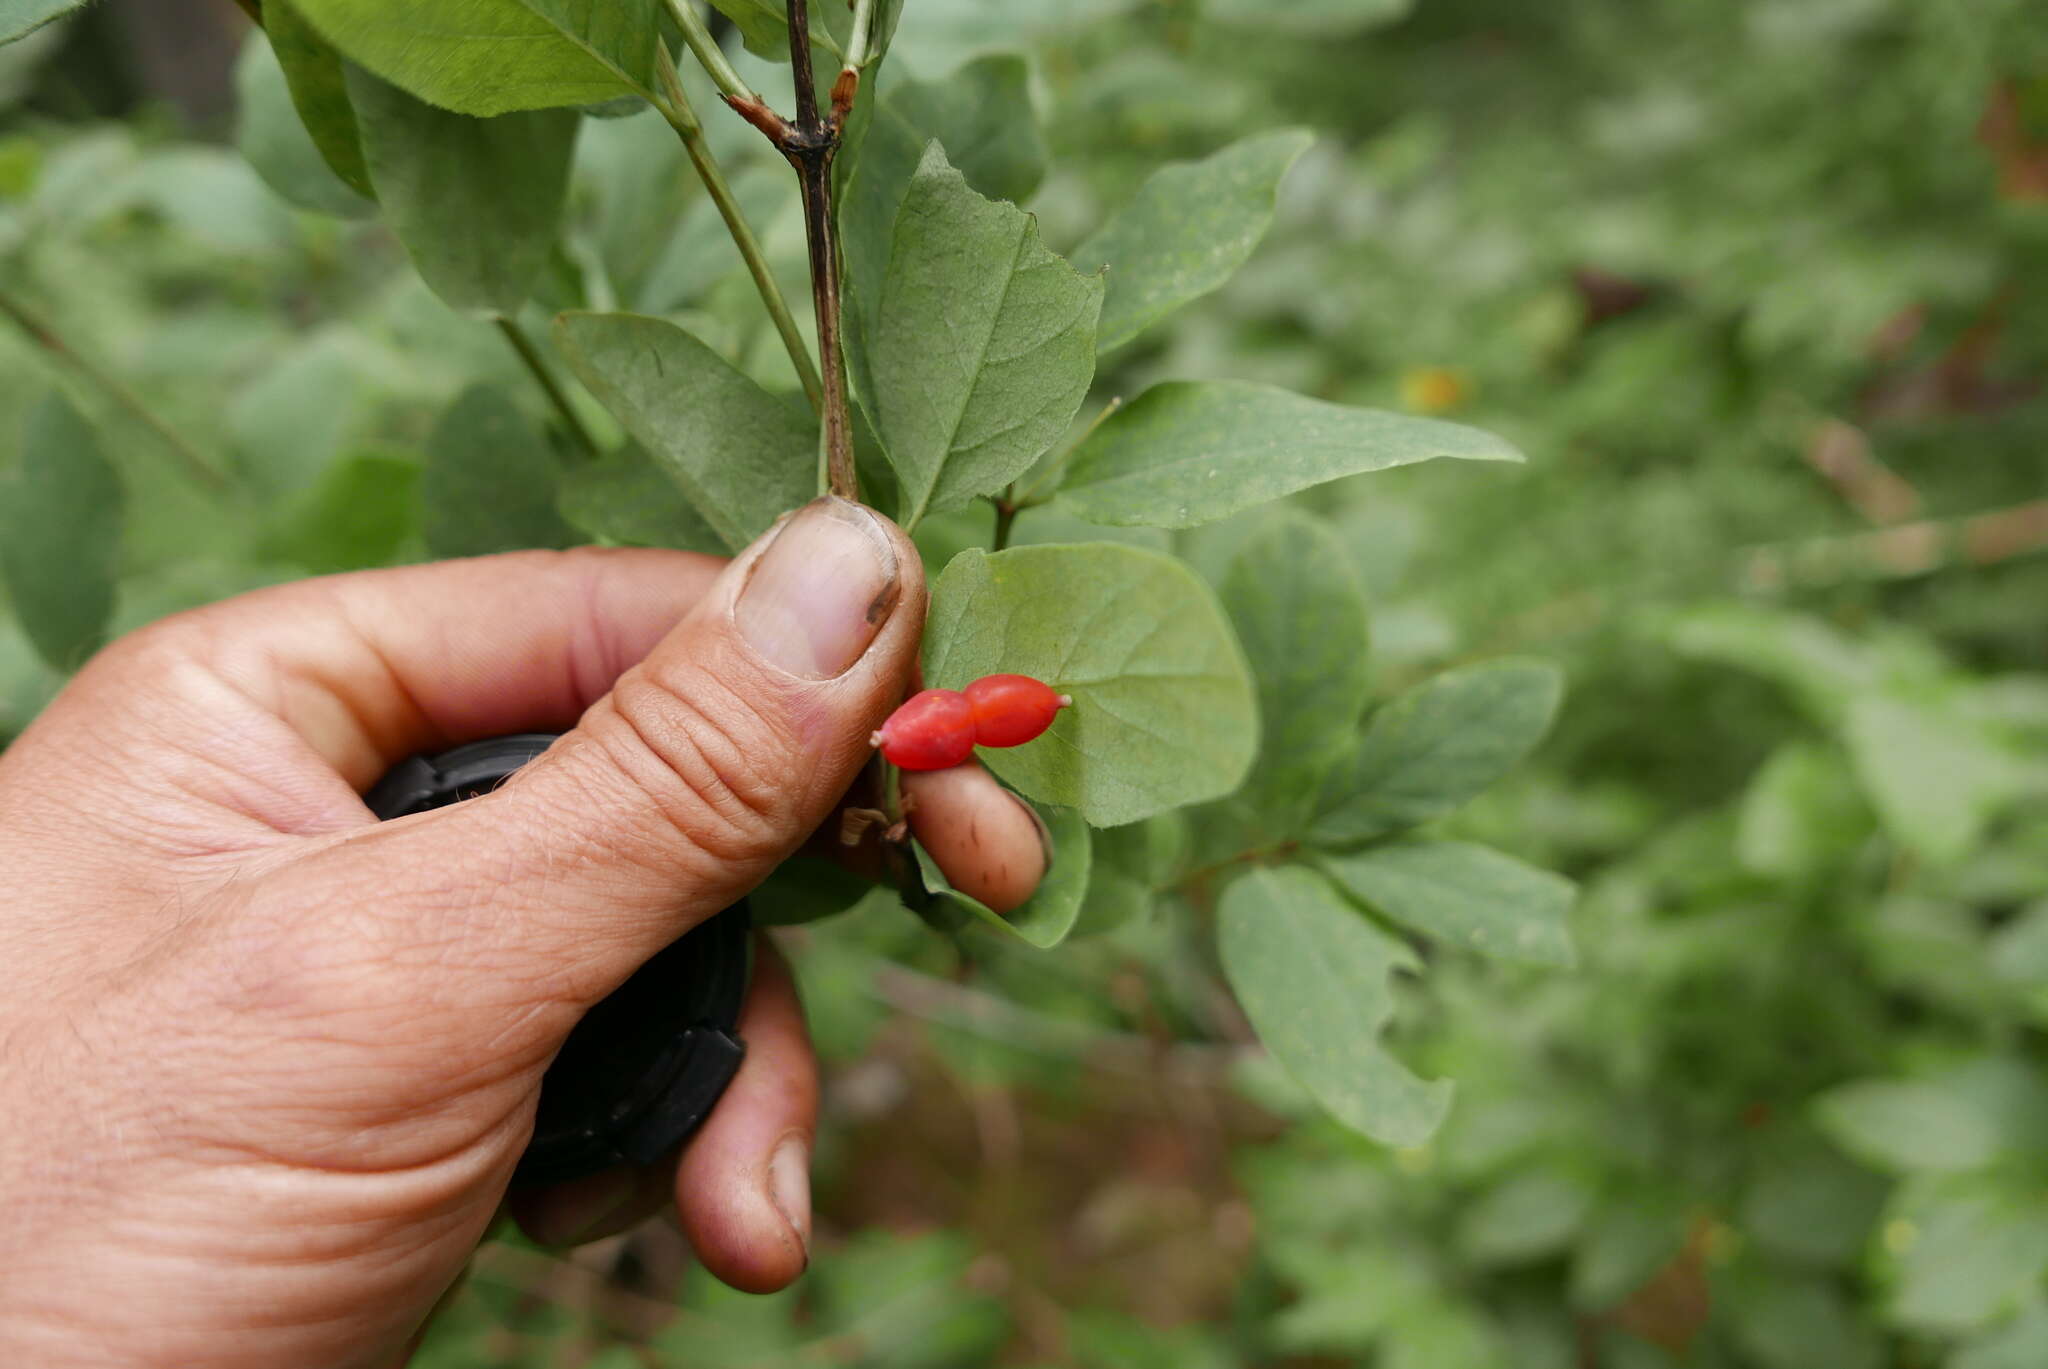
x=789, y=1187
x=821, y=591
x=570, y=1212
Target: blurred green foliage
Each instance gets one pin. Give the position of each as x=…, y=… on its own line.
x=1750, y=283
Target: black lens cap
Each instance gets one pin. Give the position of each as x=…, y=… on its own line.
x=645, y=1066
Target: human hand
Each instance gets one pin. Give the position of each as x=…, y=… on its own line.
x=266, y=1064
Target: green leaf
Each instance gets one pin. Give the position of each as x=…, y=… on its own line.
x=1788, y=1320
x=1801, y=814
x=319, y=90
x=1187, y=231
x=19, y=18
x=1935, y=782
x=1807, y=1202
x=361, y=512
x=1527, y=1216
x=1189, y=452
x=1315, y=979
x=626, y=499
x=476, y=202
x=742, y=456
x=1436, y=747
x=805, y=889
x=1163, y=713
x=2019, y=1344
x=61, y=512
x=268, y=132
x=983, y=343
x=1466, y=895
x=1966, y=1118
x=1300, y=615
x=1977, y=1247
x=982, y=114
x=490, y=480
x=1044, y=919
x=489, y=57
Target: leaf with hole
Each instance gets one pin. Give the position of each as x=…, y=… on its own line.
x=1315, y=978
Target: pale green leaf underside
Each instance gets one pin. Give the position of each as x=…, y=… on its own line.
x=1437, y=746
x=1163, y=713
x=61, y=511
x=19, y=18
x=1188, y=230
x=982, y=114
x=1300, y=615
x=741, y=455
x=983, y=344
x=477, y=202
x=489, y=480
x=624, y=498
x=1314, y=976
x=1045, y=919
x=1190, y=452
x=487, y=57
x=270, y=135
x=1466, y=896
x=319, y=88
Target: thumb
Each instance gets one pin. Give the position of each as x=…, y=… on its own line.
x=707, y=764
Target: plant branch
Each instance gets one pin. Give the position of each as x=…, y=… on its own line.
x=39, y=330
x=683, y=119
x=545, y=378
x=809, y=144
x=707, y=52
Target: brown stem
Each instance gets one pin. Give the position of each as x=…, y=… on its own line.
x=254, y=9
x=810, y=143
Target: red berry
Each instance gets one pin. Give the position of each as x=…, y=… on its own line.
x=933, y=729
x=1010, y=710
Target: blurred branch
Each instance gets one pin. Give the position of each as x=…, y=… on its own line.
x=1842, y=454
x=1907, y=549
x=254, y=9
x=1011, y=1023
x=187, y=458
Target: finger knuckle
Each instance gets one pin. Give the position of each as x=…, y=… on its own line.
x=711, y=763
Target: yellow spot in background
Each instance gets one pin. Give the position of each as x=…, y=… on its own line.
x=1415, y=1160
x=1432, y=389
x=1900, y=1235
x=1722, y=1243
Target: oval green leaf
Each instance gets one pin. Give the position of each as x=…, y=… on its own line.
x=1163, y=713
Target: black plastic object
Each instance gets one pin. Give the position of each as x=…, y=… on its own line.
x=645, y=1066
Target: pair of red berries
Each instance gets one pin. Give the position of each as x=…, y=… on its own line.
x=936, y=729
